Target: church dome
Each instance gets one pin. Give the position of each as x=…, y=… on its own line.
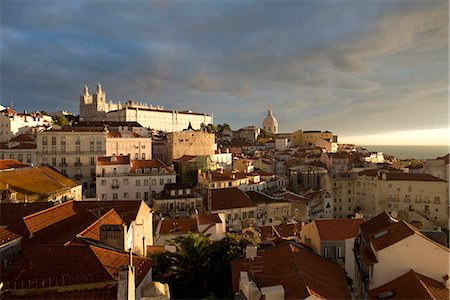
x=270, y=124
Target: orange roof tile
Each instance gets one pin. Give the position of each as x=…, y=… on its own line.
x=106, y=293
x=6, y=236
x=299, y=271
x=22, y=138
x=11, y=164
x=150, y=164
x=78, y=264
x=93, y=231
x=412, y=285
x=230, y=198
x=113, y=160
x=338, y=229
x=178, y=226
x=49, y=216
x=203, y=219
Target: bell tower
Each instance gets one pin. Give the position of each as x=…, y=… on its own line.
x=100, y=98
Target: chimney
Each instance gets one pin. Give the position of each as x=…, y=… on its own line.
x=251, y=252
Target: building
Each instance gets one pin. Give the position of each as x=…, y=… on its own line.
x=438, y=167
x=287, y=271
x=223, y=160
x=36, y=185
x=270, y=123
x=249, y=134
x=13, y=123
x=189, y=142
x=270, y=210
x=334, y=240
x=95, y=107
x=74, y=150
x=21, y=147
x=387, y=249
x=239, y=209
x=305, y=177
x=335, y=162
x=205, y=224
x=320, y=204
x=119, y=177
x=178, y=200
x=377, y=191
x=342, y=188
x=308, y=138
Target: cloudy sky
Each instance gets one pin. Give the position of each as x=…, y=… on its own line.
x=373, y=72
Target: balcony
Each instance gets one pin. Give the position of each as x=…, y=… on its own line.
x=78, y=164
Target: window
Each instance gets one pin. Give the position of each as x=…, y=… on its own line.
x=136, y=156
x=169, y=180
x=63, y=149
x=145, y=182
x=143, y=155
x=114, y=171
x=11, y=156
x=437, y=200
x=125, y=181
x=77, y=149
x=91, y=149
x=28, y=158
x=99, y=148
x=54, y=161
x=138, y=182
x=20, y=157
x=63, y=140
x=325, y=252
x=427, y=208
x=153, y=181
x=92, y=160
x=44, y=140
x=103, y=196
x=91, y=140
x=340, y=252
x=244, y=215
x=77, y=160
x=138, y=196
x=115, y=196
x=63, y=160
x=77, y=140
x=126, y=195
x=161, y=181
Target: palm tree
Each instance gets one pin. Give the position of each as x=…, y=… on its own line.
x=190, y=264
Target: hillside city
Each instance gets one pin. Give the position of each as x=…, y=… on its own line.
x=129, y=200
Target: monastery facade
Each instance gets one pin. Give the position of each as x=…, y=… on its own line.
x=95, y=107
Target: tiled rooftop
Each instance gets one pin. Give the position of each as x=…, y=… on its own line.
x=299, y=271
x=337, y=229
x=230, y=198
x=412, y=285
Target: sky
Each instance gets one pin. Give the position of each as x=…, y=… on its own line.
x=372, y=72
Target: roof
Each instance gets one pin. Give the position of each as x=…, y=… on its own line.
x=102, y=124
x=281, y=230
x=204, y=219
x=6, y=236
x=108, y=292
x=25, y=146
x=11, y=164
x=22, y=138
x=412, y=285
x=177, y=186
x=299, y=271
x=178, y=226
x=412, y=177
x=338, y=229
x=40, y=180
x=186, y=158
x=93, y=231
x=292, y=197
x=113, y=160
x=11, y=213
x=149, y=164
x=370, y=172
x=78, y=264
x=259, y=197
x=337, y=155
x=229, y=198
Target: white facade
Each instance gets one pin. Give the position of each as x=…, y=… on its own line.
x=12, y=123
x=95, y=107
x=121, y=182
x=223, y=160
x=270, y=124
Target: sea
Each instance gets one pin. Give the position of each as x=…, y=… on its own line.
x=407, y=152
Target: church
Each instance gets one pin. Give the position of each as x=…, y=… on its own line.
x=95, y=107
x=270, y=124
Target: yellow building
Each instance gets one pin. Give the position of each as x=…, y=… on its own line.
x=190, y=142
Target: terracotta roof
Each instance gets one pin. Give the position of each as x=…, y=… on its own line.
x=177, y=186
x=6, y=236
x=49, y=216
x=370, y=173
x=203, y=219
x=281, y=230
x=22, y=138
x=78, y=264
x=150, y=164
x=106, y=293
x=126, y=209
x=337, y=155
x=25, y=146
x=11, y=164
x=41, y=180
x=156, y=249
x=93, y=231
x=113, y=160
x=230, y=198
x=299, y=271
x=178, y=226
x=412, y=285
x=337, y=229
x=259, y=197
x=11, y=213
x=114, y=134
x=294, y=197
x=412, y=177
x=186, y=158
x=375, y=224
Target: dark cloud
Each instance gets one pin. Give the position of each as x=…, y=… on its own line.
x=340, y=66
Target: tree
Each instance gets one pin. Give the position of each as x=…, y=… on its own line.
x=61, y=120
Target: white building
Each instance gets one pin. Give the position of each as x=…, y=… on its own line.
x=95, y=107
x=12, y=123
x=118, y=177
x=270, y=124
